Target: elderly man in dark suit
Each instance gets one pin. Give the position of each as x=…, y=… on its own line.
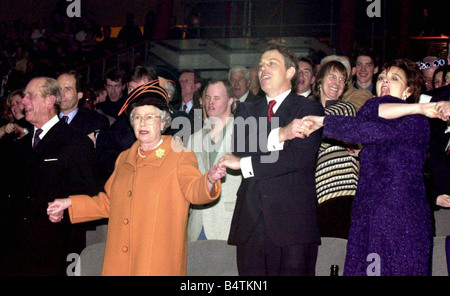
x=54, y=161
x=274, y=224
x=241, y=78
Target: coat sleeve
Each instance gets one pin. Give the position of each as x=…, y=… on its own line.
x=368, y=128
x=296, y=155
x=192, y=182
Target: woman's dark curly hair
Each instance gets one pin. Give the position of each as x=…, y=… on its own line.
x=413, y=76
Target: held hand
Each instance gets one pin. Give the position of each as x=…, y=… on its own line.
x=215, y=173
x=311, y=124
x=443, y=200
x=229, y=161
x=443, y=109
x=55, y=209
x=429, y=110
x=293, y=130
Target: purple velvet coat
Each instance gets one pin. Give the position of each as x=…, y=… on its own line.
x=391, y=226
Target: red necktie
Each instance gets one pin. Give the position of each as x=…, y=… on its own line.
x=271, y=113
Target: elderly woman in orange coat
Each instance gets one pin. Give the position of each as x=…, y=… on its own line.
x=148, y=195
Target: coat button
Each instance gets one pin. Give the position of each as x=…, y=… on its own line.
x=129, y=193
x=124, y=249
x=125, y=221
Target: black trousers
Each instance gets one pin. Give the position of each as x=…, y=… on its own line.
x=259, y=256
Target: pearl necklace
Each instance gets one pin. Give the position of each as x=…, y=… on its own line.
x=144, y=156
x=139, y=152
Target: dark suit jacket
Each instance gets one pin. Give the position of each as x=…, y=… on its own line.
x=283, y=191
x=87, y=121
x=252, y=98
x=61, y=165
x=438, y=162
x=195, y=116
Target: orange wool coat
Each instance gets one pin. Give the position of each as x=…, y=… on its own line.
x=147, y=205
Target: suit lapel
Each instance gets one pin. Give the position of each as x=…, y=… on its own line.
x=284, y=111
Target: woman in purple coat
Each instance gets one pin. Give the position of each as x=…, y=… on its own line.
x=391, y=227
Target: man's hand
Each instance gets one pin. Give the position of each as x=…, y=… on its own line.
x=291, y=131
x=229, y=161
x=443, y=109
x=443, y=200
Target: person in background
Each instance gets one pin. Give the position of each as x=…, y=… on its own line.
x=365, y=70
x=191, y=85
x=337, y=167
x=428, y=65
x=241, y=79
x=148, y=195
x=306, y=76
x=209, y=144
x=255, y=87
x=19, y=127
x=438, y=77
x=82, y=119
x=115, y=85
x=10, y=135
x=357, y=97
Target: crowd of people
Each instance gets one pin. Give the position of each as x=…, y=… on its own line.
x=270, y=158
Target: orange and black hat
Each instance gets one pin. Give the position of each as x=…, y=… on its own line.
x=150, y=93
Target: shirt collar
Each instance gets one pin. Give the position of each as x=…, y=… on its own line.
x=47, y=126
x=189, y=105
x=280, y=98
x=370, y=87
x=71, y=115
x=244, y=97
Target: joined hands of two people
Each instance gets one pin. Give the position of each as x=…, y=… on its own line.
x=55, y=209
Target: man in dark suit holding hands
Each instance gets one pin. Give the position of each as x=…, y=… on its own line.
x=274, y=224
x=54, y=161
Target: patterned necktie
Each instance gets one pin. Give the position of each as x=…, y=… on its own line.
x=66, y=119
x=236, y=105
x=36, y=137
x=271, y=113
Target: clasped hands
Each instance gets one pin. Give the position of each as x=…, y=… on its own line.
x=55, y=209
x=443, y=110
x=298, y=128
